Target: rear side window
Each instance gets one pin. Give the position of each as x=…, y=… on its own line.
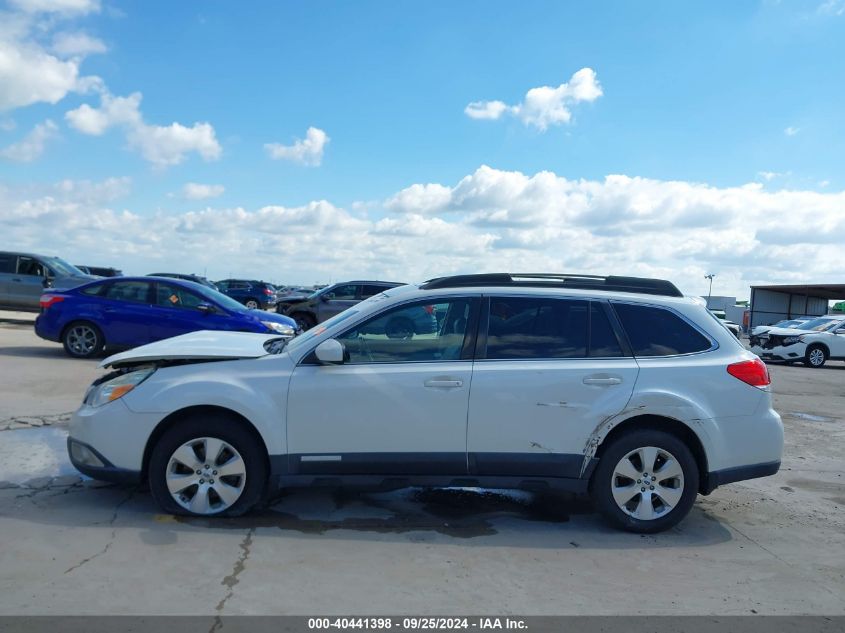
x=522, y=328
x=655, y=331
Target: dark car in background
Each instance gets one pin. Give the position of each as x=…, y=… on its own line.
x=131, y=311
x=24, y=276
x=323, y=304
x=100, y=271
x=256, y=295
x=197, y=279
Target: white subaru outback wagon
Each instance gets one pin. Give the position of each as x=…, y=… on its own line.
x=618, y=387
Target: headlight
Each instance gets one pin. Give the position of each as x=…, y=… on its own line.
x=279, y=328
x=789, y=340
x=117, y=387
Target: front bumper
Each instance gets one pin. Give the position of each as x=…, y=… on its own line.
x=780, y=352
x=87, y=460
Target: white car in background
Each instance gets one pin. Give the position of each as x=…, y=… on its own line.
x=618, y=387
x=786, y=323
x=814, y=342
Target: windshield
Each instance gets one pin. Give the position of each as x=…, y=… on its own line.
x=63, y=268
x=819, y=325
x=319, y=329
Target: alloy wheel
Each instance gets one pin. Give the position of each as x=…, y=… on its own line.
x=82, y=340
x=206, y=475
x=816, y=357
x=252, y=305
x=647, y=483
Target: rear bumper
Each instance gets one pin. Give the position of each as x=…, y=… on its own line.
x=45, y=330
x=718, y=478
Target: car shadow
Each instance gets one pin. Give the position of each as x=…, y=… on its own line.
x=467, y=515
x=51, y=353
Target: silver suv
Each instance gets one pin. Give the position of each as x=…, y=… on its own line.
x=613, y=386
x=24, y=276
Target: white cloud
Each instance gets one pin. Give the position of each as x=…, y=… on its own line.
x=832, y=7
x=306, y=152
x=546, y=105
x=77, y=44
x=768, y=176
x=78, y=7
x=112, y=111
x=32, y=145
x=31, y=73
x=197, y=191
x=791, y=131
x=162, y=146
x=490, y=220
x=486, y=109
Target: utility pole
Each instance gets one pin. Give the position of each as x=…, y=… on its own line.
x=710, y=290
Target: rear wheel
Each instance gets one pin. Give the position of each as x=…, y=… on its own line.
x=815, y=356
x=208, y=465
x=252, y=304
x=646, y=481
x=83, y=340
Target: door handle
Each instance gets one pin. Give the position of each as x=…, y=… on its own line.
x=443, y=383
x=602, y=380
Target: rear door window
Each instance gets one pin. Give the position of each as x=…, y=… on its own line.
x=132, y=291
x=31, y=266
x=603, y=340
x=655, y=331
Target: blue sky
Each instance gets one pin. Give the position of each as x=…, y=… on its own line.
x=716, y=94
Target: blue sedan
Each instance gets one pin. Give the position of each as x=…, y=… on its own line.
x=131, y=311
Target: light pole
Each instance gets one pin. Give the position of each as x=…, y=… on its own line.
x=710, y=290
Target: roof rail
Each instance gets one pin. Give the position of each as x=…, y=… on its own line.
x=640, y=285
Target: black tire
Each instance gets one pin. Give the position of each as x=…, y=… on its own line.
x=304, y=320
x=71, y=336
x=215, y=425
x=815, y=356
x=399, y=328
x=603, y=479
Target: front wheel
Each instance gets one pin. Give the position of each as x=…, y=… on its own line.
x=646, y=481
x=208, y=465
x=815, y=356
x=304, y=320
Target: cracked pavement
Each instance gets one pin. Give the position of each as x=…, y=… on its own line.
x=75, y=546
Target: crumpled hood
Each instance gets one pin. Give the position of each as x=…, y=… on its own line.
x=202, y=345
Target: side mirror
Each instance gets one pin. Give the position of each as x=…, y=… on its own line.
x=206, y=308
x=840, y=331
x=330, y=351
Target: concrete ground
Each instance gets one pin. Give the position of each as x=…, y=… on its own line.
x=74, y=546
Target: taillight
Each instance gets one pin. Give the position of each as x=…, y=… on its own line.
x=752, y=372
x=48, y=300
x=268, y=292
x=429, y=309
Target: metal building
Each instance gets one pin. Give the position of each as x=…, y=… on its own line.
x=770, y=304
